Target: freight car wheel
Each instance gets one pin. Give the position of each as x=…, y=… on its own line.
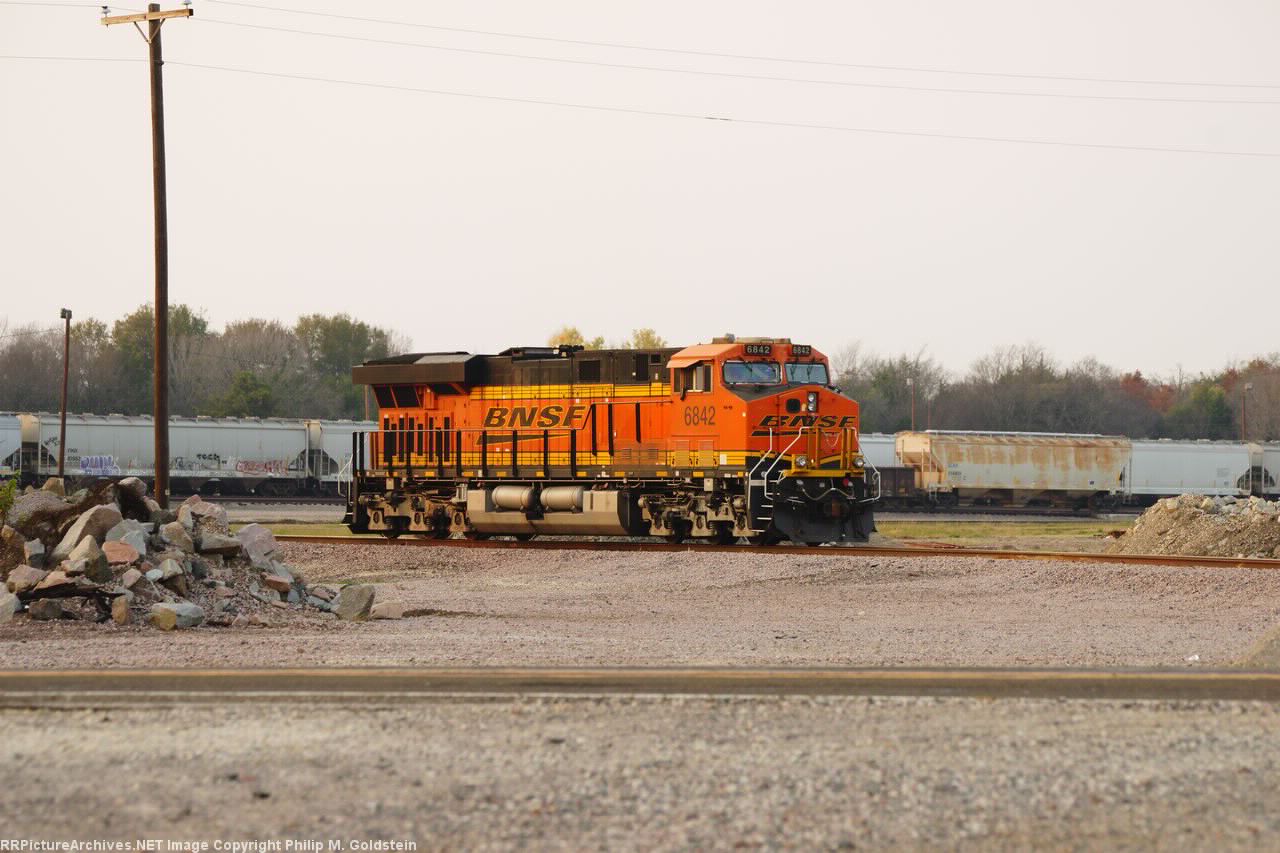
x=475, y=535
x=524, y=537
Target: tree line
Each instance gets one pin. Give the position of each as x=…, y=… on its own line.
x=1023, y=388
x=252, y=368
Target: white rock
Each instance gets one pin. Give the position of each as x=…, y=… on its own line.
x=258, y=542
x=8, y=605
x=95, y=522
x=387, y=610
x=175, y=534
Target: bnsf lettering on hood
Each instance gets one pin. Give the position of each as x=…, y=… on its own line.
x=792, y=421
x=533, y=417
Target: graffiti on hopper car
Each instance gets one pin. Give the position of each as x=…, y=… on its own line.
x=99, y=466
x=269, y=467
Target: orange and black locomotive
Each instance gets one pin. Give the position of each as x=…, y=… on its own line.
x=736, y=438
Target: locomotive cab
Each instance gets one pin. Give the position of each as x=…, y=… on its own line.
x=805, y=479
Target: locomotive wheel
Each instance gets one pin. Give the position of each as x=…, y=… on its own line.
x=679, y=531
x=723, y=534
x=769, y=537
x=391, y=534
x=524, y=537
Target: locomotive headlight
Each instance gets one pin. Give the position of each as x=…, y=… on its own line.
x=802, y=461
x=813, y=401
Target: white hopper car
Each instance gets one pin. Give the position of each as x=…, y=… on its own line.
x=1217, y=468
x=10, y=445
x=267, y=456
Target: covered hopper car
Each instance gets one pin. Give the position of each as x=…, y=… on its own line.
x=737, y=438
x=1016, y=468
x=261, y=456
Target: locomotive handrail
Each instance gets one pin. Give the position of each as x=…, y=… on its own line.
x=874, y=470
x=799, y=432
x=346, y=469
x=751, y=474
x=441, y=446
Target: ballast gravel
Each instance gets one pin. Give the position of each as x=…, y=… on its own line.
x=650, y=773
x=798, y=607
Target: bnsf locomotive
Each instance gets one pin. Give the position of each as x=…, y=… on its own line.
x=737, y=438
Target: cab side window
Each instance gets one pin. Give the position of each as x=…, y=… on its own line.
x=694, y=378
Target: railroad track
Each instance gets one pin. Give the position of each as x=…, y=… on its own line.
x=97, y=688
x=841, y=551
x=292, y=500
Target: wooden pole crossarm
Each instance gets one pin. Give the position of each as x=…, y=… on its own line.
x=147, y=16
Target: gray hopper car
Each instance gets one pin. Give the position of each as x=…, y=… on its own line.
x=241, y=456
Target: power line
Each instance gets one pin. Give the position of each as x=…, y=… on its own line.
x=71, y=58
x=728, y=74
x=50, y=5
x=751, y=57
x=727, y=119
x=671, y=114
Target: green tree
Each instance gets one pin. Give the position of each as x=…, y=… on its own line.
x=132, y=337
x=1203, y=413
x=331, y=346
x=248, y=397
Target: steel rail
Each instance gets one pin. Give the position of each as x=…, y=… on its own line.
x=95, y=688
x=840, y=551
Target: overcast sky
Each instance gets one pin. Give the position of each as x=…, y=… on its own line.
x=477, y=224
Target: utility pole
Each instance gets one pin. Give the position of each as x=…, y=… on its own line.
x=66, y=370
x=154, y=18
x=1244, y=411
x=911, y=383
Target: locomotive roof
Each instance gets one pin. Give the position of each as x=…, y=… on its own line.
x=442, y=369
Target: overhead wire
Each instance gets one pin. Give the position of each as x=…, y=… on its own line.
x=73, y=58
x=726, y=119
x=743, y=56
x=50, y=5
x=730, y=74
x=1162, y=149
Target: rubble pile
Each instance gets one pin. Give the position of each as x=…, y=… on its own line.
x=1195, y=525
x=112, y=553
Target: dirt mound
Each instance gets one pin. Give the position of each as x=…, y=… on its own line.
x=1195, y=525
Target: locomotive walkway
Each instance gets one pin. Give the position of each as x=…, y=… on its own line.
x=100, y=688
x=841, y=551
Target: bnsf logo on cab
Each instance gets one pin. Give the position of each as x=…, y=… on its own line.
x=540, y=417
x=827, y=421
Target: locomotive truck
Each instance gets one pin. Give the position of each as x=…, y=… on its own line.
x=742, y=437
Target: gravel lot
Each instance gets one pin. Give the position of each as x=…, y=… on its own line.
x=647, y=773
x=801, y=607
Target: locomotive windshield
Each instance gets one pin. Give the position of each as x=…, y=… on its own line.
x=751, y=373
x=806, y=373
